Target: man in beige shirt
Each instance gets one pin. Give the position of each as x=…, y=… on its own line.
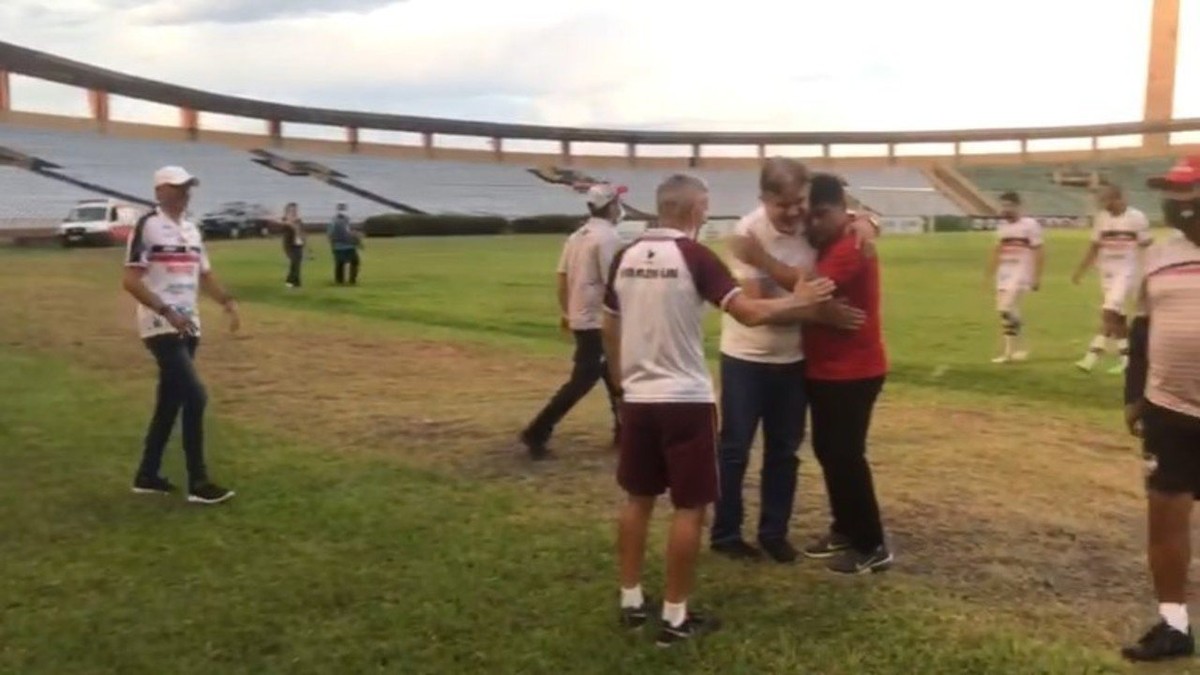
x=583, y=272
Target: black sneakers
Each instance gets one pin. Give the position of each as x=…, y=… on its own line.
x=851, y=561
x=779, y=550
x=634, y=618
x=827, y=546
x=1160, y=643
x=209, y=493
x=692, y=627
x=736, y=549
x=535, y=446
x=152, y=485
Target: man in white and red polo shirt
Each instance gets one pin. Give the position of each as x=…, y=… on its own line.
x=165, y=269
x=654, y=342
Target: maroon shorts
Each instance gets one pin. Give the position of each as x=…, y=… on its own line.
x=669, y=445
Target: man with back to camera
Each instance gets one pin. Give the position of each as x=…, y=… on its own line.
x=165, y=267
x=654, y=343
x=762, y=372
x=582, y=276
x=1119, y=234
x=1016, y=266
x=344, y=242
x=1162, y=405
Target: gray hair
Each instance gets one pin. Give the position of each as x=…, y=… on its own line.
x=677, y=194
x=780, y=173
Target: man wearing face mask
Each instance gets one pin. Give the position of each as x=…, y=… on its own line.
x=1162, y=405
x=582, y=274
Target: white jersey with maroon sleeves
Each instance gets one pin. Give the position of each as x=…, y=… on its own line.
x=659, y=287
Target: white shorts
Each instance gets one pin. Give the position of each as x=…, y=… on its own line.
x=1117, y=289
x=1008, y=299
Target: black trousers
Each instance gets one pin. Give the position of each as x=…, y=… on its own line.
x=590, y=367
x=341, y=259
x=179, y=388
x=295, y=255
x=841, y=419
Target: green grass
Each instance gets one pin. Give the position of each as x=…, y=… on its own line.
x=329, y=562
x=940, y=322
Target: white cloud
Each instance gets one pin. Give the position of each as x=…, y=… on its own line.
x=854, y=65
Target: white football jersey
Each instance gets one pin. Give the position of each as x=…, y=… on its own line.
x=1121, y=239
x=1018, y=241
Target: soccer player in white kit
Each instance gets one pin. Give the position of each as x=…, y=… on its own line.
x=1016, y=264
x=1119, y=235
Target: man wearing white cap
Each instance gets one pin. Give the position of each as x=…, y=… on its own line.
x=582, y=276
x=165, y=268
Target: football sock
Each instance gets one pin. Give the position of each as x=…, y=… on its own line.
x=1175, y=615
x=632, y=597
x=674, y=614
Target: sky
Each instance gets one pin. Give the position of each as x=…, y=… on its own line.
x=752, y=65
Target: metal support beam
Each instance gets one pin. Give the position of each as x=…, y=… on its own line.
x=5, y=92
x=189, y=120
x=275, y=131
x=498, y=148
x=98, y=102
x=694, y=161
x=1160, y=78
x=565, y=151
x=352, y=138
x=631, y=153
x=427, y=143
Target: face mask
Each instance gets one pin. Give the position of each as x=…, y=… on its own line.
x=1181, y=214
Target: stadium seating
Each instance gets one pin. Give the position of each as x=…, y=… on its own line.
x=127, y=165
x=454, y=187
x=32, y=201
x=1042, y=196
x=892, y=191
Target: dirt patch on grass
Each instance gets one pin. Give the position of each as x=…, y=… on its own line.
x=1038, y=514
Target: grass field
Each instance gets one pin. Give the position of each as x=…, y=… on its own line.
x=386, y=521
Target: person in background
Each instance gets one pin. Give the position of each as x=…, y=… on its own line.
x=345, y=244
x=1016, y=267
x=582, y=275
x=1119, y=235
x=293, y=242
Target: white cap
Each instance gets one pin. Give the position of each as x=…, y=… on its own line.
x=174, y=175
x=603, y=194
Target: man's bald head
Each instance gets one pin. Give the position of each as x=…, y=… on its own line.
x=682, y=202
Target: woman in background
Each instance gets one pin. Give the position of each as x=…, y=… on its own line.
x=293, y=242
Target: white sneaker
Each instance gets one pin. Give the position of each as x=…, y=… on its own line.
x=1022, y=355
x=1085, y=365
x=1003, y=358
x=1118, y=369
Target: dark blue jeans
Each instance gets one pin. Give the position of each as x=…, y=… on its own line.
x=179, y=390
x=750, y=392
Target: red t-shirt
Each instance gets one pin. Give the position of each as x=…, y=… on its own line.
x=833, y=354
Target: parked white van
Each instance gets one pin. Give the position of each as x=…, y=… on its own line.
x=99, y=222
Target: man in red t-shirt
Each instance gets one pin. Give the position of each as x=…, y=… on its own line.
x=844, y=375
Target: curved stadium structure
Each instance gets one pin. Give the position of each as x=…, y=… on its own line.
x=49, y=162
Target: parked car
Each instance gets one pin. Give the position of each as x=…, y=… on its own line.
x=234, y=220
x=99, y=222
